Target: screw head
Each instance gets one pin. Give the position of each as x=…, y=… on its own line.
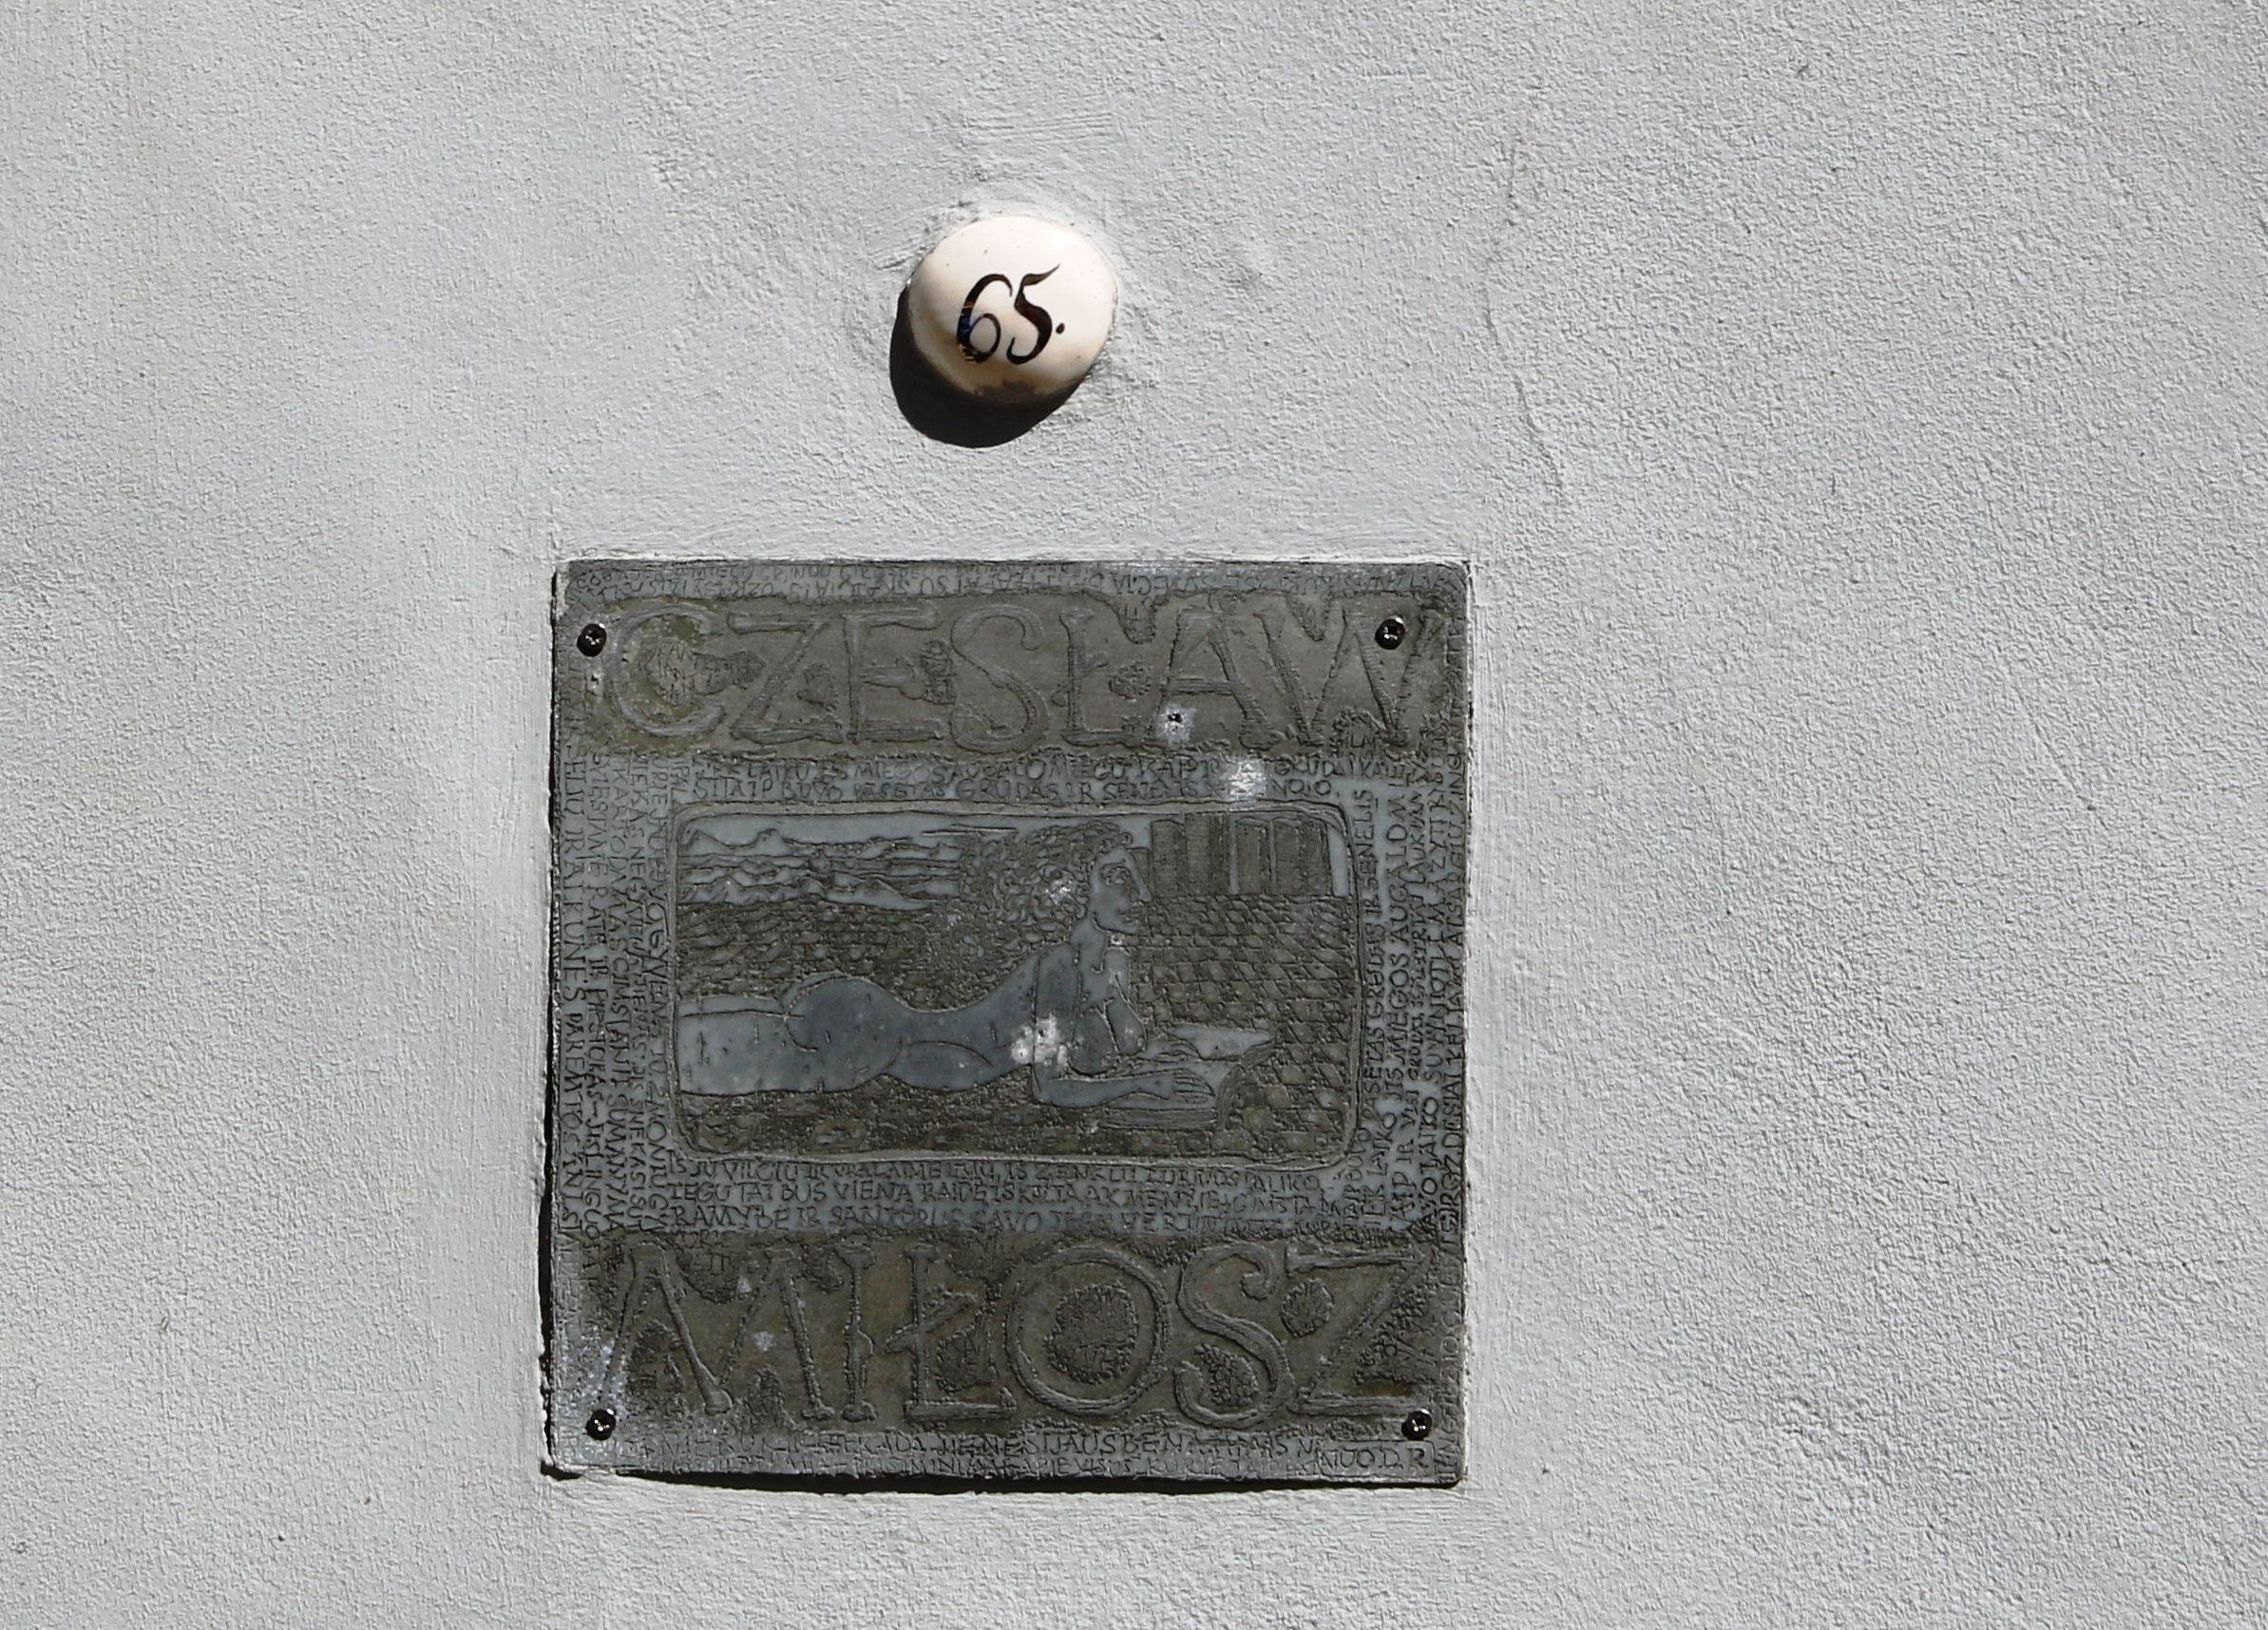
x=1392, y=632
x=1418, y=1425
x=601, y=1425
x=592, y=640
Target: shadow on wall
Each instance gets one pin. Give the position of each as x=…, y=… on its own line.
x=942, y=413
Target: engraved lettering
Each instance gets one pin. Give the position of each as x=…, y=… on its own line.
x=907, y=681
x=754, y=722
x=775, y=1280
x=1081, y=664
x=857, y=1257
x=1308, y=709
x=1200, y=632
x=1086, y=1330
x=918, y=1337
x=1291, y=669
x=1206, y=1384
x=972, y=728
x=630, y=635
x=1326, y=1392
x=653, y=1276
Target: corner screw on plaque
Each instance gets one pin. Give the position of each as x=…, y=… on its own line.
x=601, y=1425
x=1418, y=1425
x=592, y=640
x=1392, y=632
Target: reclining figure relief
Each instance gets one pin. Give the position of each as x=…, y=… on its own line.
x=1067, y=1013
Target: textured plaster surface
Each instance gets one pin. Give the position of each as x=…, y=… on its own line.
x=1855, y=423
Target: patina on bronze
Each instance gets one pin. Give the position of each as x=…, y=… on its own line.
x=1007, y=1021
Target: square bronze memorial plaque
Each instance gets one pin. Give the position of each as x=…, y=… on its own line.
x=1007, y=1021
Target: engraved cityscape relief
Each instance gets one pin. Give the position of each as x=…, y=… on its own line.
x=1007, y=1021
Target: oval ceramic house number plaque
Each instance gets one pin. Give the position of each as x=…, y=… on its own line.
x=1011, y=308
x=1007, y=1020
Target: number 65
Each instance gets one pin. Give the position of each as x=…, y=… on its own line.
x=1033, y=312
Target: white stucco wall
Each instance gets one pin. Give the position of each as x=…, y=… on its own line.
x=1855, y=425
